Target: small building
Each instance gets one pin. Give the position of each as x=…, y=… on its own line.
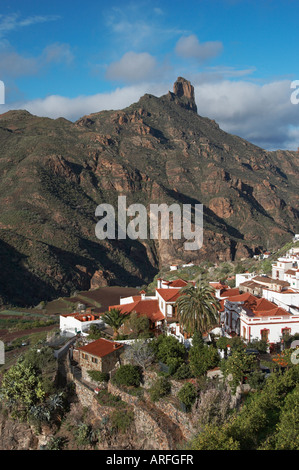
x=102, y=355
x=74, y=323
x=252, y=317
x=173, y=267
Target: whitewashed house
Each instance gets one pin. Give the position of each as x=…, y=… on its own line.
x=74, y=323
x=251, y=317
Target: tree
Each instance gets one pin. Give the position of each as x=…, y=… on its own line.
x=160, y=389
x=166, y=347
x=202, y=359
x=236, y=366
x=197, y=308
x=213, y=438
x=115, y=319
x=140, y=353
x=128, y=375
x=94, y=332
x=22, y=387
x=187, y=395
x=139, y=325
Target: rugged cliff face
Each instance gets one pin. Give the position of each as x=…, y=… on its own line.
x=54, y=173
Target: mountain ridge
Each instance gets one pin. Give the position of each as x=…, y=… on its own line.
x=54, y=173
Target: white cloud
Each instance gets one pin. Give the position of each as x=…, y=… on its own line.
x=58, y=53
x=55, y=106
x=13, y=22
x=262, y=114
x=190, y=47
x=14, y=65
x=133, y=67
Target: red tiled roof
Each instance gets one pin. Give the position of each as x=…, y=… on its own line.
x=178, y=283
x=218, y=285
x=230, y=292
x=259, y=307
x=101, y=347
x=264, y=304
x=82, y=316
x=278, y=311
x=148, y=307
x=169, y=295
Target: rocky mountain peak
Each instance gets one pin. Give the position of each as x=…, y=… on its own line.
x=183, y=93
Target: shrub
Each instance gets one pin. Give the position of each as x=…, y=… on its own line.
x=107, y=399
x=258, y=344
x=98, y=376
x=187, y=395
x=203, y=359
x=173, y=364
x=84, y=435
x=166, y=347
x=121, y=420
x=128, y=375
x=55, y=443
x=183, y=372
x=94, y=332
x=160, y=389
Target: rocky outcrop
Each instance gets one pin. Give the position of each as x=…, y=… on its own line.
x=183, y=94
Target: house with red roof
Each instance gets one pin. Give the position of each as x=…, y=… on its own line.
x=101, y=355
x=252, y=317
x=160, y=308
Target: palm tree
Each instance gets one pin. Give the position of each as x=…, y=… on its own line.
x=197, y=308
x=115, y=318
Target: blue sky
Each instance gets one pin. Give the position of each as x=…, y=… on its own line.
x=62, y=58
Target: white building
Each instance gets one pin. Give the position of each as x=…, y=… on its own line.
x=74, y=323
x=281, y=266
x=251, y=318
x=243, y=277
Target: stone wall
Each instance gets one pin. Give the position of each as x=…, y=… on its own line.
x=181, y=419
x=148, y=431
x=150, y=377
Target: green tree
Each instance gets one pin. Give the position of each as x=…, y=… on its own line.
x=197, y=308
x=128, y=375
x=94, y=332
x=115, y=319
x=203, y=359
x=166, y=347
x=160, y=389
x=236, y=366
x=187, y=395
x=213, y=438
x=139, y=326
x=22, y=387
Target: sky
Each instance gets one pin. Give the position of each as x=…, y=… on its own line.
x=71, y=58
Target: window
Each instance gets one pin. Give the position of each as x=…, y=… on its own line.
x=94, y=360
x=264, y=334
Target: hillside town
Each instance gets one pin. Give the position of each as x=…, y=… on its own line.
x=258, y=307
x=168, y=362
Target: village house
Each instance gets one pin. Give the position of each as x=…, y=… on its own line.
x=79, y=323
x=252, y=317
x=160, y=308
x=101, y=355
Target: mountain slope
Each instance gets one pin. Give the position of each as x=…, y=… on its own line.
x=54, y=173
